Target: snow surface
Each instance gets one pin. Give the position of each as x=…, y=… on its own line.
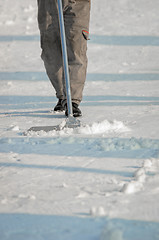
x=101, y=180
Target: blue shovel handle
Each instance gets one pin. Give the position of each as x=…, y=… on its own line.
x=65, y=57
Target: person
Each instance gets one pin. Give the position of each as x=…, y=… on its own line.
x=76, y=19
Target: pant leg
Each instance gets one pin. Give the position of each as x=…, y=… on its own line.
x=52, y=57
x=51, y=43
x=76, y=17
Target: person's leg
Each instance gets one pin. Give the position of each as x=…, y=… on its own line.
x=51, y=43
x=77, y=15
x=51, y=55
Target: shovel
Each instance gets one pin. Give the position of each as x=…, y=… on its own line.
x=71, y=122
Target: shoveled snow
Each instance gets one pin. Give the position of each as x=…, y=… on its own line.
x=99, y=181
x=103, y=127
x=95, y=128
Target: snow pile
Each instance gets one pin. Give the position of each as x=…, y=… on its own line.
x=104, y=127
x=88, y=129
x=139, y=179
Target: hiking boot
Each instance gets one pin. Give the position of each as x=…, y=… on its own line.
x=59, y=107
x=76, y=111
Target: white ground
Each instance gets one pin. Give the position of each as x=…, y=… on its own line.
x=100, y=181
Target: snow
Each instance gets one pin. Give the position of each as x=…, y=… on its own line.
x=99, y=181
x=95, y=128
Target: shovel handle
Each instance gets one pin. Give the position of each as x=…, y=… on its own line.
x=65, y=57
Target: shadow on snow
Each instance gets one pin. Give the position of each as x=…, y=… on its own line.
x=96, y=39
x=76, y=146
x=31, y=226
x=106, y=77
x=41, y=102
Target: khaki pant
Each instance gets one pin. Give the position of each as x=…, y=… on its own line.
x=76, y=18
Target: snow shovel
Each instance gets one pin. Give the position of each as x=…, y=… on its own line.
x=71, y=122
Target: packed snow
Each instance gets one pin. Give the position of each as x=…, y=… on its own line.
x=99, y=181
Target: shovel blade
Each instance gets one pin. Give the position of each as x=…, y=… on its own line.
x=44, y=128
x=70, y=122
